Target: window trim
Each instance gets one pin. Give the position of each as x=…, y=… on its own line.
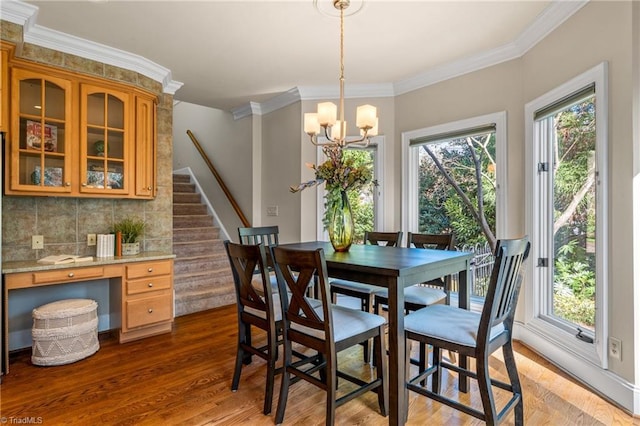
x=534, y=308
x=409, y=221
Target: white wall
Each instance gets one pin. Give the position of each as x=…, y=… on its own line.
x=229, y=145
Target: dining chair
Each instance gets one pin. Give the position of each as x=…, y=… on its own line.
x=326, y=330
x=261, y=310
x=267, y=235
x=364, y=292
x=476, y=335
x=425, y=294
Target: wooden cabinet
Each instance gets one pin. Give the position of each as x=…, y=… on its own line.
x=147, y=299
x=40, y=135
x=72, y=135
x=105, y=140
x=146, y=148
x=5, y=52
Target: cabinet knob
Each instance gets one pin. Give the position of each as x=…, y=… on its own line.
x=148, y=188
x=84, y=183
x=150, y=270
x=150, y=284
x=67, y=184
x=70, y=275
x=150, y=310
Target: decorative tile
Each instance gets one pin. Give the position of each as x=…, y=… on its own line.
x=85, y=65
x=42, y=54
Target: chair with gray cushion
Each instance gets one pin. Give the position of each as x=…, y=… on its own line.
x=261, y=309
x=326, y=330
x=425, y=294
x=365, y=292
x=476, y=335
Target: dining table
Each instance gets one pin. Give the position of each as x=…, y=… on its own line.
x=396, y=268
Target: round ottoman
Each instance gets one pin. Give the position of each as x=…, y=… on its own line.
x=64, y=331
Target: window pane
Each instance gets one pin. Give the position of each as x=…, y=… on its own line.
x=573, y=162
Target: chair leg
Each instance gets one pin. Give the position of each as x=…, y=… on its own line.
x=510, y=363
x=284, y=386
x=240, y=356
x=331, y=386
x=381, y=372
x=436, y=377
x=423, y=360
x=366, y=307
x=486, y=394
x=247, y=339
x=271, y=373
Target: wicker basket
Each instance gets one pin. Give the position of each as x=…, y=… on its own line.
x=64, y=331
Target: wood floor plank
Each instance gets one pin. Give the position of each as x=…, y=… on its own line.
x=185, y=377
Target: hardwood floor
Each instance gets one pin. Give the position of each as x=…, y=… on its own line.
x=184, y=378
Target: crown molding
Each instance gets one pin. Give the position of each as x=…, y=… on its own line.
x=251, y=108
x=26, y=15
x=548, y=20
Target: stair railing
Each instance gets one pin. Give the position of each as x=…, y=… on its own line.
x=224, y=188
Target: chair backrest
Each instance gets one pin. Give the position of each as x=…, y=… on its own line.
x=267, y=235
x=504, y=286
x=390, y=239
x=296, y=270
x=245, y=261
x=430, y=241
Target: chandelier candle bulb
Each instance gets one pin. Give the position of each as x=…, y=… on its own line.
x=336, y=130
x=311, y=124
x=366, y=116
x=327, y=113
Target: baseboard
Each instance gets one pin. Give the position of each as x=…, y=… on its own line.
x=610, y=386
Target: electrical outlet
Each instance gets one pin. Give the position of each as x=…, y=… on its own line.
x=91, y=239
x=272, y=210
x=615, y=348
x=37, y=242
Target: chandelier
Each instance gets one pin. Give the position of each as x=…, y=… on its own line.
x=334, y=128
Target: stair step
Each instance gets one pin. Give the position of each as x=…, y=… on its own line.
x=184, y=187
x=204, y=233
x=189, y=209
x=195, y=264
x=197, y=248
x=192, y=221
x=186, y=197
x=202, y=274
x=182, y=178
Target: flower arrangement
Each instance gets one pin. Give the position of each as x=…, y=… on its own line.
x=339, y=173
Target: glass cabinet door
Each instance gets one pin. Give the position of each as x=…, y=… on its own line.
x=105, y=141
x=40, y=133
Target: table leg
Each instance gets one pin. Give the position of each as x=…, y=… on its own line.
x=397, y=372
x=464, y=302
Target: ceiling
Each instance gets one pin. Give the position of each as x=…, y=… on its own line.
x=230, y=53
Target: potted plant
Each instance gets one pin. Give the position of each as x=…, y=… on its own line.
x=131, y=229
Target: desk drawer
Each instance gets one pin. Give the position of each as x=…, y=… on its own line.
x=150, y=310
x=68, y=275
x=148, y=284
x=149, y=269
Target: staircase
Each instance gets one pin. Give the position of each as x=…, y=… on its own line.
x=202, y=276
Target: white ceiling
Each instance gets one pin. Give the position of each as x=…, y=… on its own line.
x=229, y=53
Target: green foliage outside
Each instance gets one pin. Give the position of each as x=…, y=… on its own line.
x=574, y=195
x=361, y=200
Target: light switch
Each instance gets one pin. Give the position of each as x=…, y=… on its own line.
x=272, y=211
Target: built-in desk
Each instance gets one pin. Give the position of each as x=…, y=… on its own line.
x=141, y=290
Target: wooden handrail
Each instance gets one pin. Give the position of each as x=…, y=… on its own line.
x=232, y=200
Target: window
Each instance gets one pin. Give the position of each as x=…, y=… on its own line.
x=567, y=214
x=453, y=182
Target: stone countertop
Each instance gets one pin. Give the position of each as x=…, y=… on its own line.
x=32, y=265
